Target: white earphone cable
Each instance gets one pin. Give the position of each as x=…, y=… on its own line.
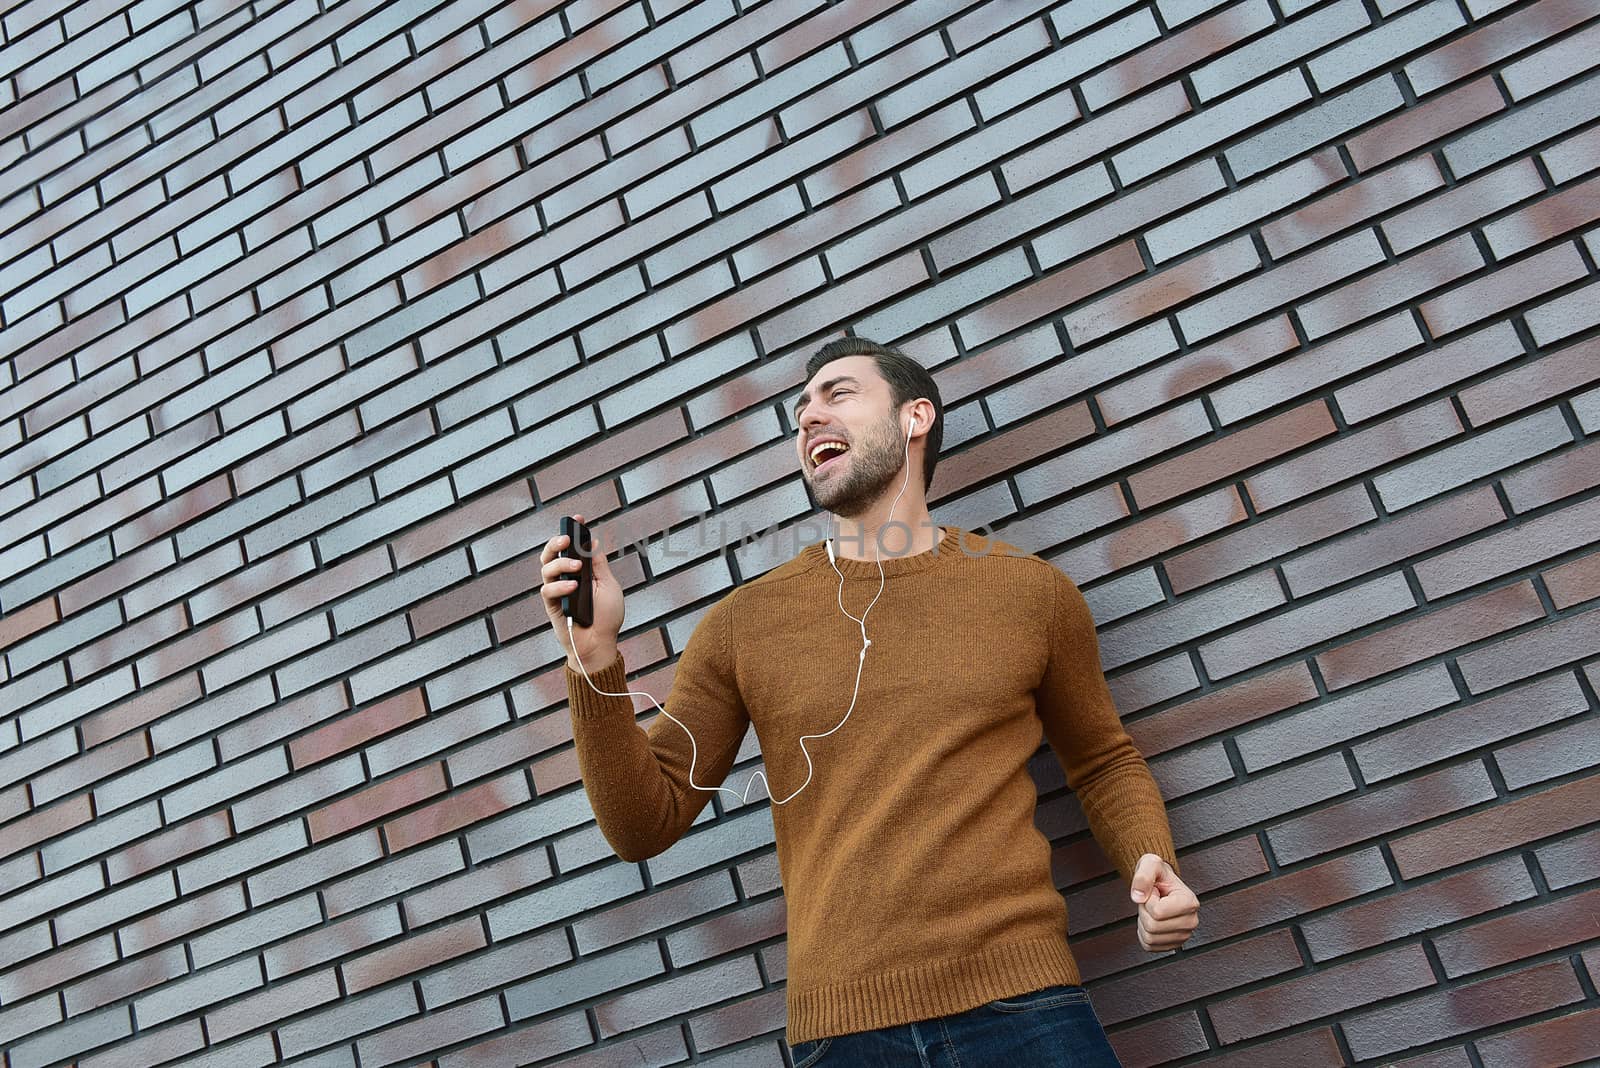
x=694, y=748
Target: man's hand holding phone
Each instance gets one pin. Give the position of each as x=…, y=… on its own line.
x=563, y=560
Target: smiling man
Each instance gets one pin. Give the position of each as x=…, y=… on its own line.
x=899, y=676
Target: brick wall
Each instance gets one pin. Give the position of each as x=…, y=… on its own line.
x=1271, y=322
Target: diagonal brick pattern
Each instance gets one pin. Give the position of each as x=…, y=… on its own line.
x=1275, y=323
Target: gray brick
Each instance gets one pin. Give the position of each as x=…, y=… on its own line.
x=1567, y=314
x=732, y=231
x=1482, y=453
x=412, y=319
x=233, y=517
x=56, y=641
x=184, y=273
x=418, y=659
x=73, y=1037
x=223, y=453
x=102, y=836
x=108, y=909
x=376, y=198
x=1380, y=46
x=549, y=816
x=307, y=788
x=1216, y=123
x=350, y=1017
x=407, y=587
x=495, y=968
x=1328, y=121
x=118, y=282
x=574, y=385
x=204, y=987
x=1092, y=139
x=256, y=928
x=533, y=33
x=231, y=780
x=699, y=169
x=1177, y=12
x=681, y=376
x=395, y=876
x=153, y=776
x=507, y=124
x=660, y=40
x=240, y=854
x=24, y=47
x=29, y=1016
x=37, y=282
x=660, y=306
x=589, y=978
x=1127, y=215
x=1283, y=46
x=946, y=297
x=289, y=149
x=311, y=867
x=792, y=80
x=525, y=451
x=578, y=893
x=1546, y=118
x=979, y=67
x=56, y=712
x=1066, y=64
x=343, y=656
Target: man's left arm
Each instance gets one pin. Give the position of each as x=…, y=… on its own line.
x=1113, y=783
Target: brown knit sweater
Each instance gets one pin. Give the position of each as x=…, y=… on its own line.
x=915, y=879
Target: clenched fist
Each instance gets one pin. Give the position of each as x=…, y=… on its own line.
x=1168, y=910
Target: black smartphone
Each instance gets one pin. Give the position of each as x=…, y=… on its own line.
x=579, y=604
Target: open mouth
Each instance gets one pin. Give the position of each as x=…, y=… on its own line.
x=826, y=455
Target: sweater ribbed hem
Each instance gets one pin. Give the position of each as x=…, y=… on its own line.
x=922, y=992
x=613, y=678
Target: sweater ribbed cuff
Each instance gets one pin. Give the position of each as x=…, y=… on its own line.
x=586, y=703
x=1128, y=862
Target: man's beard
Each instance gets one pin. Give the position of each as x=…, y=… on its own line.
x=874, y=464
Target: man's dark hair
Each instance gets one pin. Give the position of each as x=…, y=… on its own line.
x=908, y=380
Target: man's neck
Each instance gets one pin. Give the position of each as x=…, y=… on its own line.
x=901, y=536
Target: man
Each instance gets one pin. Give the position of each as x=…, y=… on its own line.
x=899, y=677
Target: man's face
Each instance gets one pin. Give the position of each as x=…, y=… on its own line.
x=847, y=401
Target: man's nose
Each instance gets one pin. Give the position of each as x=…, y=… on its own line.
x=811, y=417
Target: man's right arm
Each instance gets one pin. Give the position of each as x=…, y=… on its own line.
x=638, y=781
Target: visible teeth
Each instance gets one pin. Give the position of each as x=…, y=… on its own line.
x=824, y=446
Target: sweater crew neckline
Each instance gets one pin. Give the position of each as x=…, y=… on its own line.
x=816, y=554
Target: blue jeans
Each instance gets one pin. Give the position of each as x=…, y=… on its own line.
x=1051, y=1028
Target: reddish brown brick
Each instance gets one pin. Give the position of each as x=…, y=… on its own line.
x=415, y=953
x=1231, y=453
x=1381, y=810
x=376, y=800
x=1395, y=916
x=1453, y=1011
x=1336, y=989
x=1523, y=818
x=45, y=823
x=1552, y=63
x=461, y=809
x=1417, y=126
x=1049, y=295
x=1489, y=45
x=1421, y=636
x=1569, y=1038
